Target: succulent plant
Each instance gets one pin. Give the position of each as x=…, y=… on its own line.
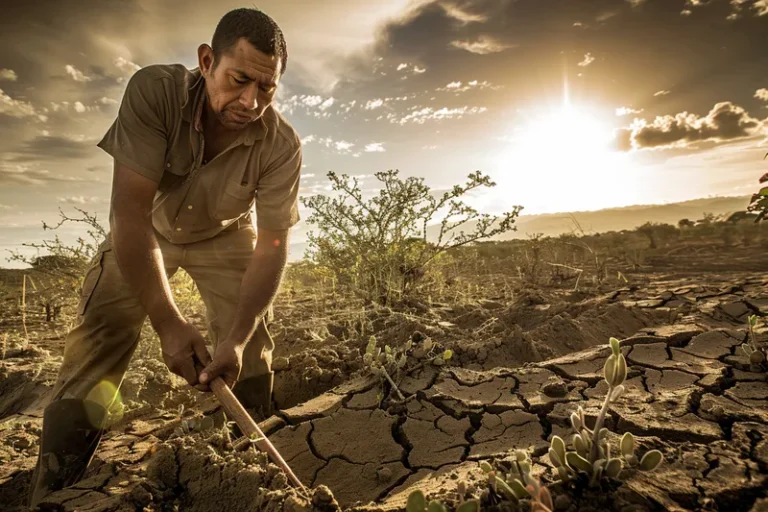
x=510, y=485
x=390, y=362
x=417, y=502
x=518, y=483
x=755, y=354
x=591, y=454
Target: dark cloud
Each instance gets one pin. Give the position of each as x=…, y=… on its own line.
x=639, y=48
x=725, y=122
x=48, y=147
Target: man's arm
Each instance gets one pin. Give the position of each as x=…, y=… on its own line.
x=141, y=263
x=258, y=289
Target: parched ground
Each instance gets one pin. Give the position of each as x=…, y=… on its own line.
x=522, y=364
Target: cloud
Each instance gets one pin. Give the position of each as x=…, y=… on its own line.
x=402, y=66
x=52, y=148
x=18, y=108
x=482, y=45
x=374, y=147
x=625, y=111
x=81, y=200
x=108, y=101
x=421, y=115
x=588, y=59
x=126, y=66
x=458, y=14
x=77, y=75
x=343, y=146
x=458, y=87
x=762, y=94
x=724, y=122
x=5, y=207
x=8, y=75
x=373, y=104
x=661, y=93
x=21, y=174
x=79, y=107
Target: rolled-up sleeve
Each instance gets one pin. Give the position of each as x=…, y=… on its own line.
x=138, y=137
x=277, y=191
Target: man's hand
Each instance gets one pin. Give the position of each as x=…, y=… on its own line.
x=227, y=362
x=182, y=344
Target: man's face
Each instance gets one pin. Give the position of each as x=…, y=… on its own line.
x=242, y=85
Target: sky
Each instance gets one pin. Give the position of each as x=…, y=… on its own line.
x=568, y=105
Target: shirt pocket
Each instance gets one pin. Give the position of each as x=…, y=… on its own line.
x=235, y=200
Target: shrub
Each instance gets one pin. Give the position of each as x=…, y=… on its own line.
x=380, y=247
x=58, y=274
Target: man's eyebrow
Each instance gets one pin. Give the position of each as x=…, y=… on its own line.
x=269, y=82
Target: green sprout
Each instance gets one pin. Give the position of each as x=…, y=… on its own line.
x=592, y=451
x=755, y=354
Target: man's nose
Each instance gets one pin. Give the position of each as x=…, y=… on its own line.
x=249, y=98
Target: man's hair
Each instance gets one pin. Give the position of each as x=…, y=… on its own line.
x=257, y=27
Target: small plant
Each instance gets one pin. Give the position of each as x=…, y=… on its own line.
x=417, y=502
x=592, y=452
x=754, y=352
x=518, y=484
x=390, y=362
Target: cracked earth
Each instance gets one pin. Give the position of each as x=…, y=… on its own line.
x=690, y=392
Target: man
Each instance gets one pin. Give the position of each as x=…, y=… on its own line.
x=193, y=152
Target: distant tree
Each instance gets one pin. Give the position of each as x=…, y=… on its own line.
x=56, y=276
x=708, y=218
x=656, y=232
x=379, y=247
x=759, y=201
x=685, y=224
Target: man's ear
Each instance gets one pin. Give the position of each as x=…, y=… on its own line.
x=205, y=59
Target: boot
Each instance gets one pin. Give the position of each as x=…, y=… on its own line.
x=255, y=393
x=72, y=430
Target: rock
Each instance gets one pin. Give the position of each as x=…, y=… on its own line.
x=280, y=364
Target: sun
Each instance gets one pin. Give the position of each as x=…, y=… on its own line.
x=563, y=159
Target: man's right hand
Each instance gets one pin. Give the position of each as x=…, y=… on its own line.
x=183, y=345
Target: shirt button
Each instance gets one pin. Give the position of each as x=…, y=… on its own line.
x=168, y=164
x=189, y=207
x=178, y=229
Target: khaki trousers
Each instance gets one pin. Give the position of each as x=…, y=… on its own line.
x=110, y=316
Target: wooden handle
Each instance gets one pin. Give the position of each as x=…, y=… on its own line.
x=237, y=412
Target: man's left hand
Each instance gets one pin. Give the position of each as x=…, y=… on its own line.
x=227, y=362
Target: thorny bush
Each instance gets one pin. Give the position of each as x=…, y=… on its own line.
x=380, y=247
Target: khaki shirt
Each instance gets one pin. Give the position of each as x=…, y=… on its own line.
x=158, y=134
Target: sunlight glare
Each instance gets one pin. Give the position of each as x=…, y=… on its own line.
x=562, y=160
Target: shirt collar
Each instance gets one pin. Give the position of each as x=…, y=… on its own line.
x=194, y=98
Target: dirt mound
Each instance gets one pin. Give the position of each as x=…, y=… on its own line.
x=24, y=385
